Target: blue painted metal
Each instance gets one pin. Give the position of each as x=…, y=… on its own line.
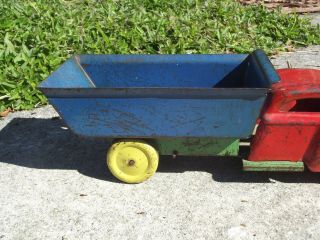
x=152, y=118
x=70, y=75
x=152, y=96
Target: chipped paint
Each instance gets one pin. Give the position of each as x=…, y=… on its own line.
x=287, y=132
x=198, y=146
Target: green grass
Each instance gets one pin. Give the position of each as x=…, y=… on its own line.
x=37, y=36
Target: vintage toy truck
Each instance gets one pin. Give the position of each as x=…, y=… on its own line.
x=199, y=105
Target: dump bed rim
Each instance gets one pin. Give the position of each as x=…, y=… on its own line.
x=156, y=92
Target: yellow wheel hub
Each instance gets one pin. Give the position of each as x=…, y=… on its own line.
x=132, y=161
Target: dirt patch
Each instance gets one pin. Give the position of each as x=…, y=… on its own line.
x=288, y=6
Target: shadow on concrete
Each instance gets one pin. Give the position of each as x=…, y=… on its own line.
x=45, y=144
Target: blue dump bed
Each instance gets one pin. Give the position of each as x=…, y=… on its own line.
x=159, y=96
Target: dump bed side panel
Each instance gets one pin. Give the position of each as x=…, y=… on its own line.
x=155, y=118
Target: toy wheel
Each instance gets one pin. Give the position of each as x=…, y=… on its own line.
x=132, y=161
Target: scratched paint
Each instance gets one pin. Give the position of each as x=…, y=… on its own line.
x=198, y=146
x=156, y=118
x=289, y=130
x=272, y=166
x=152, y=96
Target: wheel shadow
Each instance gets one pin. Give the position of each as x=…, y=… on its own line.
x=228, y=169
x=47, y=144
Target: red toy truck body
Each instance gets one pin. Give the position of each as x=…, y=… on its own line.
x=289, y=127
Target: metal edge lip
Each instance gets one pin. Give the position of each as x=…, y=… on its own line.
x=266, y=66
x=77, y=61
x=187, y=93
x=157, y=57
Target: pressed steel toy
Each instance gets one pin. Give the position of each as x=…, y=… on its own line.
x=199, y=105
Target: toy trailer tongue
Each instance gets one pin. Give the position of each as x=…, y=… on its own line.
x=176, y=104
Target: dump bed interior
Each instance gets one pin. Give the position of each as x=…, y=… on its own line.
x=165, y=71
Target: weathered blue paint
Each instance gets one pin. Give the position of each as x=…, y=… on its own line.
x=70, y=75
x=153, y=96
x=189, y=71
x=152, y=118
